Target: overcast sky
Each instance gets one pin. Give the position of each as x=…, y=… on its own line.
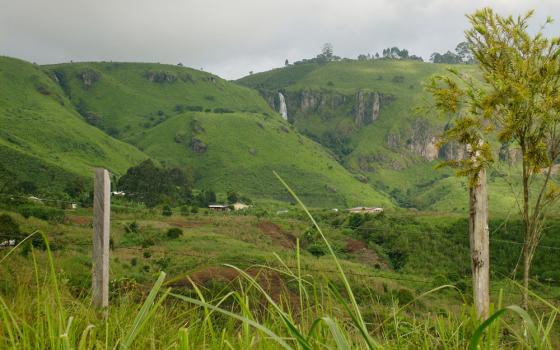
x=232, y=37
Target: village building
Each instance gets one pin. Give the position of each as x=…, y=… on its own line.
x=219, y=207
x=363, y=210
x=240, y=206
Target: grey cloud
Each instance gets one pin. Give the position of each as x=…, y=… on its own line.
x=231, y=38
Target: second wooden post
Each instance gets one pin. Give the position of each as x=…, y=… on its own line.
x=101, y=233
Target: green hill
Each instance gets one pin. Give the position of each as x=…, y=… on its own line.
x=374, y=116
x=72, y=116
x=43, y=139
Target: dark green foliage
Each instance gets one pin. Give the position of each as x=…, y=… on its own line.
x=166, y=211
x=132, y=227
x=398, y=258
x=27, y=187
x=9, y=228
x=152, y=185
x=404, y=296
x=147, y=242
x=174, y=233
x=42, y=212
x=187, y=108
x=185, y=210
x=317, y=249
x=222, y=110
x=205, y=198
x=232, y=197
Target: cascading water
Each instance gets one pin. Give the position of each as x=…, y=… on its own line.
x=283, y=109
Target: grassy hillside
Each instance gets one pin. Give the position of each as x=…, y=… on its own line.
x=396, y=151
x=42, y=137
x=125, y=99
x=242, y=152
x=225, y=132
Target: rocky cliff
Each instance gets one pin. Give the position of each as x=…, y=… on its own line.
x=364, y=106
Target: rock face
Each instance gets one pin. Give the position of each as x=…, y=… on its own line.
x=452, y=151
x=364, y=106
x=198, y=146
x=88, y=77
x=160, y=77
x=367, y=107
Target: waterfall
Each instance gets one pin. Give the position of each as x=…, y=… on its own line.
x=283, y=109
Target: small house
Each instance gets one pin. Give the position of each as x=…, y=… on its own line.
x=239, y=206
x=219, y=207
x=363, y=210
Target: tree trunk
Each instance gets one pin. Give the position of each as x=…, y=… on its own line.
x=479, y=244
x=526, y=233
x=526, y=271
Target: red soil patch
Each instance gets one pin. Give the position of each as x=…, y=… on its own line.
x=278, y=236
x=365, y=255
x=269, y=280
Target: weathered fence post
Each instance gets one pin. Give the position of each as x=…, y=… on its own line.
x=101, y=228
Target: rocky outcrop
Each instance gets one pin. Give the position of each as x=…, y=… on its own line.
x=160, y=77
x=366, y=108
x=363, y=106
x=198, y=146
x=89, y=77
x=452, y=151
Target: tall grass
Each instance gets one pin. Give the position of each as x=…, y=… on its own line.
x=38, y=311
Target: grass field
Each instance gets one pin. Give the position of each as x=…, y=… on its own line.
x=285, y=289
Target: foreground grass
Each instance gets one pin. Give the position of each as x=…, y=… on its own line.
x=39, y=310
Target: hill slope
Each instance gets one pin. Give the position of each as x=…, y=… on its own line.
x=225, y=132
x=42, y=137
x=373, y=116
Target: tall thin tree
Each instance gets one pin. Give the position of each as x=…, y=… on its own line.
x=457, y=95
x=522, y=73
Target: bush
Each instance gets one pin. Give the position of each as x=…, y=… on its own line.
x=43, y=213
x=316, y=249
x=185, y=210
x=174, y=232
x=132, y=227
x=147, y=242
x=9, y=228
x=404, y=296
x=167, y=211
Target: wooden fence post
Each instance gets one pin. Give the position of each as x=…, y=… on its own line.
x=101, y=228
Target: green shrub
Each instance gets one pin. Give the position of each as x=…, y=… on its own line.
x=404, y=296
x=166, y=211
x=174, y=232
x=316, y=249
x=132, y=227
x=147, y=242
x=9, y=228
x=43, y=213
